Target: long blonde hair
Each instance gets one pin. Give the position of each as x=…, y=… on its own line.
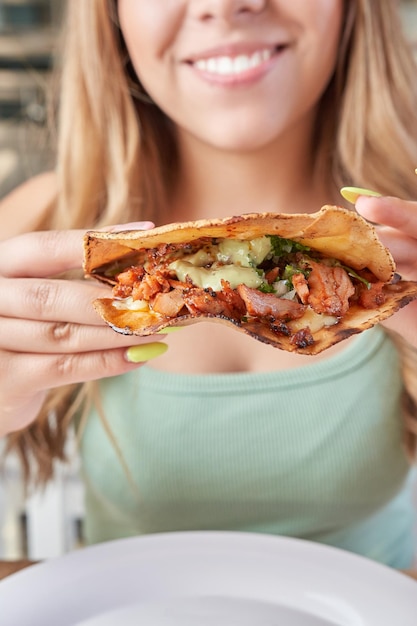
x=116, y=155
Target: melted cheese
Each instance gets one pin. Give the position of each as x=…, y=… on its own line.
x=231, y=259
x=129, y=304
x=315, y=321
x=243, y=253
x=210, y=278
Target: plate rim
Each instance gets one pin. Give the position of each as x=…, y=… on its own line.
x=202, y=542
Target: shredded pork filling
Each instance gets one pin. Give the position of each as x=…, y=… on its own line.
x=290, y=285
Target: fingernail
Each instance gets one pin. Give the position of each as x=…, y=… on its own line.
x=146, y=352
x=131, y=226
x=168, y=329
x=351, y=194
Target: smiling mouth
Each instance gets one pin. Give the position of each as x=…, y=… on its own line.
x=235, y=65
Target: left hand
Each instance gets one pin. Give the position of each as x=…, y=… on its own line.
x=397, y=229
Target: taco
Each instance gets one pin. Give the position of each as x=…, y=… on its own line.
x=299, y=282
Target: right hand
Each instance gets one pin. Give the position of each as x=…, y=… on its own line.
x=50, y=334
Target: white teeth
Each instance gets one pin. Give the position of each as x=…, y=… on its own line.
x=240, y=64
x=211, y=65
x=232, y=66
x=256, y=59
x=224, y=65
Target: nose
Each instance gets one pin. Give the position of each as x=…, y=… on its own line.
x=226, y=9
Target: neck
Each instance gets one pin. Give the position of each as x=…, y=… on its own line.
x=275, y=178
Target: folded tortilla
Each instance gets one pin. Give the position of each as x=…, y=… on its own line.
x=333, y=232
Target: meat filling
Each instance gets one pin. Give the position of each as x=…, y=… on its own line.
x=317, y=284
x=329, y=289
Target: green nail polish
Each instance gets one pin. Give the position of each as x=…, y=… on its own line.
x=168, y=329
x=146, y=352
x=351, y=194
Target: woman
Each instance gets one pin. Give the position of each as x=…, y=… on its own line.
x=208, y=108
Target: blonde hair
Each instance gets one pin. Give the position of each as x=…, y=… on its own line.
x=116, y=155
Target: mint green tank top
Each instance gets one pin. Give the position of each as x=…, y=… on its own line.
x=313, y=452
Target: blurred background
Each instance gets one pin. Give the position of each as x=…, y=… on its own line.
x=49, y=523
x=28, y=45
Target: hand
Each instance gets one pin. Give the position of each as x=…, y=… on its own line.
x=397, y=229
x=50, y=334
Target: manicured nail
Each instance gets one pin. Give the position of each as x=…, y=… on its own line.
x=351, y=194
x=130, y=226
x=146, y=352
x=168, y=329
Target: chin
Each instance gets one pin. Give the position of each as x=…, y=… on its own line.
x=245, y=146
x=240, y=141
x=242, y=131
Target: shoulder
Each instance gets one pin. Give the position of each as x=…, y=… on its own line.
x=24, y=207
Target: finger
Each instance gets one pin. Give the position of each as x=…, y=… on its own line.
x=43, y=254
x=63, y=337
x=402, y=248
x=41, y=372
x=129, y=226
x=393, y=212
x=19, y=411
x=51, y=300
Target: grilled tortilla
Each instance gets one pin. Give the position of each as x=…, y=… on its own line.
x=298, y=282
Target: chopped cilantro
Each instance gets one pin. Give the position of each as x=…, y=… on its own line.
x=290, y=270
x=353, y=274
x=266, y=288
x=281, y=246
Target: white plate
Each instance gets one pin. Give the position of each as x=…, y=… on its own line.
x=208, y=579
